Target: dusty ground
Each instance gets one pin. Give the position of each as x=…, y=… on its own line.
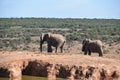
x=111, y=59
x=62, y=58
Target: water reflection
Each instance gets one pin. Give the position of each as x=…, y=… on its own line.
x=25, y=77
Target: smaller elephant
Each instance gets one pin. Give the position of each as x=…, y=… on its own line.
x=92, y=46
x=55, y=40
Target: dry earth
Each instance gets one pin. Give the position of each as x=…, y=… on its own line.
x=108, y=66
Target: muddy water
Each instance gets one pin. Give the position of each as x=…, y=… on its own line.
x=31, y=78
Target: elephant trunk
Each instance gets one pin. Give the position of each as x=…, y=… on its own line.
x=41, y=46
x=41, y=42
x=83, y=48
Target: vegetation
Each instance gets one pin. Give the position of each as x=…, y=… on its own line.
x=23, y=33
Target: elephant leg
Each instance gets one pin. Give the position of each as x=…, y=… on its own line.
x=49, y=48
x=89, y=52
x=101, y=53
x=85, y=53
x=56, y=49
x=61, y=48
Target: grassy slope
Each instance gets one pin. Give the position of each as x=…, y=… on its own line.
x=23, y=33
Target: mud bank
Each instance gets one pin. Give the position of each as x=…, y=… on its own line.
x=15, y=69
x=14, y=64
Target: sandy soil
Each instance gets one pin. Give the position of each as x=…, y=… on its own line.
x=72, y=55
x=62, y=58
x=111, y=59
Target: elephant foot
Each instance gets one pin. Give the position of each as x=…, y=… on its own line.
x=89, y=54
x=100, y=55
x=85, y=53
x=49, y=51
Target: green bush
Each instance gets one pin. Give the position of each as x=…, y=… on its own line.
x=19, y=31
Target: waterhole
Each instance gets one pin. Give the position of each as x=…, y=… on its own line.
x=26, y=77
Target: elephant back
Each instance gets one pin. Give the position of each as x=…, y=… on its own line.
x=58, y=37
x=98, y=42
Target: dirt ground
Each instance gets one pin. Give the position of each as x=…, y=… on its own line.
x=110, y=59
x=62, y=58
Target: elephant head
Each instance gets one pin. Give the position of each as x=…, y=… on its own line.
x=85, y=44
x=43, y=37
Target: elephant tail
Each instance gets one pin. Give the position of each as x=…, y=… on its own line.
x=64, y=42
x=103, y=45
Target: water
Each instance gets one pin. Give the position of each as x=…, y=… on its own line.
x=26, y=77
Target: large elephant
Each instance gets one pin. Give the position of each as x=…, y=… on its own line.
x=55, y=40
x=92, y=46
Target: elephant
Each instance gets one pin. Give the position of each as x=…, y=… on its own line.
x=55, y=40
x=89, y=46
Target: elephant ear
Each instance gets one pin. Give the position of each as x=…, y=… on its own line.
x=88, y=40
x=42, y=36
x=49, y=34
x=84, y=41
